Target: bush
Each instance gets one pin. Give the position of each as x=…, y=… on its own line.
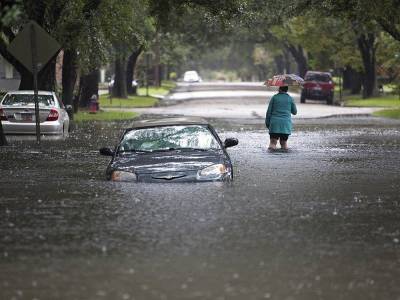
x=173, y=76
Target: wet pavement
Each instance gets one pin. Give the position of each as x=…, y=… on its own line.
x=318, y=222
x=243, y=107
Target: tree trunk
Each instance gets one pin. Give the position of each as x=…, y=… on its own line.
x=300, y=58
x=157, y=79
x=88, y=86
x=366, y=45
x=286, y=57
x=119, y=89
x=280, y=64
x=130, y=70
x=389, y=25
x=352, y=80
x=69, y=74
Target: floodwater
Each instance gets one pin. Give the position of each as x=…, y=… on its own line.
x=321, y=221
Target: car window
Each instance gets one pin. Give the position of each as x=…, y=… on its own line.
x=28, y=100
x=318, y=77
x=169, y=137
x=191, y=75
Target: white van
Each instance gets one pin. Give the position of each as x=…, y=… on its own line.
x=191, y=76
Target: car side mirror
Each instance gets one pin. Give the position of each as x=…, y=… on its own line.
x=230, y=142
x=106, y=152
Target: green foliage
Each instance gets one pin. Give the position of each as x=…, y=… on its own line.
x=388, y=57
x=9, y=12
x=172, y=10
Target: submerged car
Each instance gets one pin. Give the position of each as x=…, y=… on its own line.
x=318, y=86
x=17, y=113
x=170, y=149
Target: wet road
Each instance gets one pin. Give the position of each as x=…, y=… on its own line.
x=319, y=222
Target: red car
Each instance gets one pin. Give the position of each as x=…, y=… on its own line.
x=318, y=86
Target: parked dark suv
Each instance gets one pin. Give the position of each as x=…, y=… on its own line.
x=318, y=86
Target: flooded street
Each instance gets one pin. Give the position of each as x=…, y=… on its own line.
x=318, y=222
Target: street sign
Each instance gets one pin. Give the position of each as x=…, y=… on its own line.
x=34, y=47
x=21, y=47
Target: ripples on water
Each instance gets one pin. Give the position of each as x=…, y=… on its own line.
x=320, y=219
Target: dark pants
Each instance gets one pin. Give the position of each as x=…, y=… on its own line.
x=279, y=136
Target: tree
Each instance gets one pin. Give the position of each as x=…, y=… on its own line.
x=45, y=14
x=364, y=17
x=9, y=11
x=208, y=19
x=144, y=32
x=72, y=26
x=128, y=29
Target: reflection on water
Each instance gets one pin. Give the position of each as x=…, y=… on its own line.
x=318, y=222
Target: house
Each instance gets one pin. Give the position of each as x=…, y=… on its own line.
x=9, y=77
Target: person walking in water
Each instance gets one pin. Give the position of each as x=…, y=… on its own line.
x=278, y=118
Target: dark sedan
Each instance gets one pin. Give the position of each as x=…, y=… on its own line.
x=171, y=149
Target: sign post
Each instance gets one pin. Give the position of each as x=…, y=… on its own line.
x=35, y=84
x=34, y=48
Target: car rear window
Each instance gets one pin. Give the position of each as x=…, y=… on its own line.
x=28, y=100
x=318, y=77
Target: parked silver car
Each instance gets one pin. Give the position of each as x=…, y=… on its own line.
x=17, y=113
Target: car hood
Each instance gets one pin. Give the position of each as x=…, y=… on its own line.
x=173, y=161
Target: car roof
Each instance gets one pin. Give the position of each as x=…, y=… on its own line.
x=28, y=92
x=168, y=122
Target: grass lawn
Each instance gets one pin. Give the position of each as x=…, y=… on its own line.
x=83, y=116
x=388, y=113
x=141, y=100
x=389, y=101
x=132, y=101
x=163, y=90
x=383, y=101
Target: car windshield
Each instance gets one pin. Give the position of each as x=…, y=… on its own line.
x=28, y=100
x=169, y=138
x=318, y=77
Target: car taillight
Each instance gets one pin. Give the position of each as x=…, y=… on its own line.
x=3, y=116
x=53, y=115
